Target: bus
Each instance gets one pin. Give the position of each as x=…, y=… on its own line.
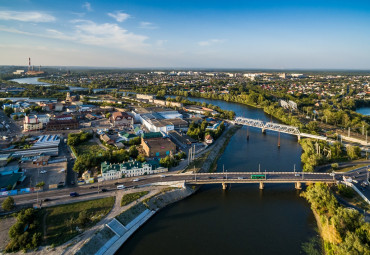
x=258, y=176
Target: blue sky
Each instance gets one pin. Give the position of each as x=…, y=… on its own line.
x=186, y=34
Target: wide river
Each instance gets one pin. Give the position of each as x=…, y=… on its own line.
x=243, y=219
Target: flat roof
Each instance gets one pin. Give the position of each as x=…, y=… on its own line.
x=159, y=143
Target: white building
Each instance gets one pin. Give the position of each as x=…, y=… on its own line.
x=130, y=169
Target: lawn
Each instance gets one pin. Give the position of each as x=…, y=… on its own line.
x=61, y=220
x=129, y=198
x=346, y=169
x=88, y=148
x=127, y=216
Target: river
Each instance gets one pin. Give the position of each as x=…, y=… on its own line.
x=31, y=80
x=243, y=219
x=364, y=111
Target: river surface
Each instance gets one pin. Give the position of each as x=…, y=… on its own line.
x=31, y=80
x=364, y=111
x=243, y=219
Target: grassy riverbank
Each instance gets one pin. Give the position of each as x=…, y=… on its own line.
x=343, y=230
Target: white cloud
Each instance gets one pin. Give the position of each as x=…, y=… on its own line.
x=87, y=6
x=147, y=25
x=108, y=34
x=119, y=16
x=210, y=42
x=28, y=16
x=160, y=43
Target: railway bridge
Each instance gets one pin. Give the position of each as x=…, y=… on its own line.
x=275, y=127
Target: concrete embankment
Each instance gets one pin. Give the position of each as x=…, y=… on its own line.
x=118, y=230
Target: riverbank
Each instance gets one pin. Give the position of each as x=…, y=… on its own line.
x=343, y=230
x=125, y=224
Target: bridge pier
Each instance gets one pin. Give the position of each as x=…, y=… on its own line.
x=261, y=185
x=298, y=185
x=224, y=186
x=299, y=137
x=263, y=131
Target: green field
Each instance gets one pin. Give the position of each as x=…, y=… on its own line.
x=88, y=148
x=62, y=220
x=129, y=198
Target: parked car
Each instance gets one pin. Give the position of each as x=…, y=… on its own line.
x=136, y=180
x=47, y=199
x=121, y=187
x=104, y=190
x=74, y=194
x=43, y=172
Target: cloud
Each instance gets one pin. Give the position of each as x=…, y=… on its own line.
x=147, y=25
x=27, y=16
x=119, y=16
x=107, y=34
x=87, y=6
x=210, y=42
x=160, y=43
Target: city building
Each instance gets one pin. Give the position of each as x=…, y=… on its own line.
x=158, y=147
x=122, y=119
x=32, y=123
x=59, y=124
x=130, y=169
x=208, y=139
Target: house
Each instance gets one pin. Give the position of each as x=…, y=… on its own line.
x=32, y=123
x=42, y=161
x=58, y=107
x=158, y=147
x=208, y=139
x=138, y=131
x=122, y=119
x=4, y=159
x=106, y=139
x=126, y=136
x=130, y=169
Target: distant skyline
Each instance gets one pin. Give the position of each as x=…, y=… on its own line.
x=186, y=34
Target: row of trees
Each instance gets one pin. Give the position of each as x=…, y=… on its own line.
x=319, y=152
x=343, y=230
x=25, y=234
x=169, y=161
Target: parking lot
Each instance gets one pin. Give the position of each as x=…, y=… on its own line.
x=50, y=174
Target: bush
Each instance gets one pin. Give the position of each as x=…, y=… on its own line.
x=335, y=165
x=345, y=191
x=8, y=204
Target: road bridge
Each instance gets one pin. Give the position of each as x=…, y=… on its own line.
x=275, y=127
x=262, y=177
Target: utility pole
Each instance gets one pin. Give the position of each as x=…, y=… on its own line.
x=349, y=131
x=279, y=140
x=259, y=167
x=294, y=168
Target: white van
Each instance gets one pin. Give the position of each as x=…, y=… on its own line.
x=120, y=186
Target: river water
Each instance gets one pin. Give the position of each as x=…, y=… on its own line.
x=31, y=80
x=243, y=219
x=364, y=111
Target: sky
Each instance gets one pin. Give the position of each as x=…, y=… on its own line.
x=247, y=34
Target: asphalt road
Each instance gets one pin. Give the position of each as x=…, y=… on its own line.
x=199, y=178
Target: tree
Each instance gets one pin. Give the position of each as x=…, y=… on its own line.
x=8, y=111
x=15, y=117
x=83, y=219
x=8, y=204
x=108, y=115
x=353, y=152
x=133, y=152
x=141, y=158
